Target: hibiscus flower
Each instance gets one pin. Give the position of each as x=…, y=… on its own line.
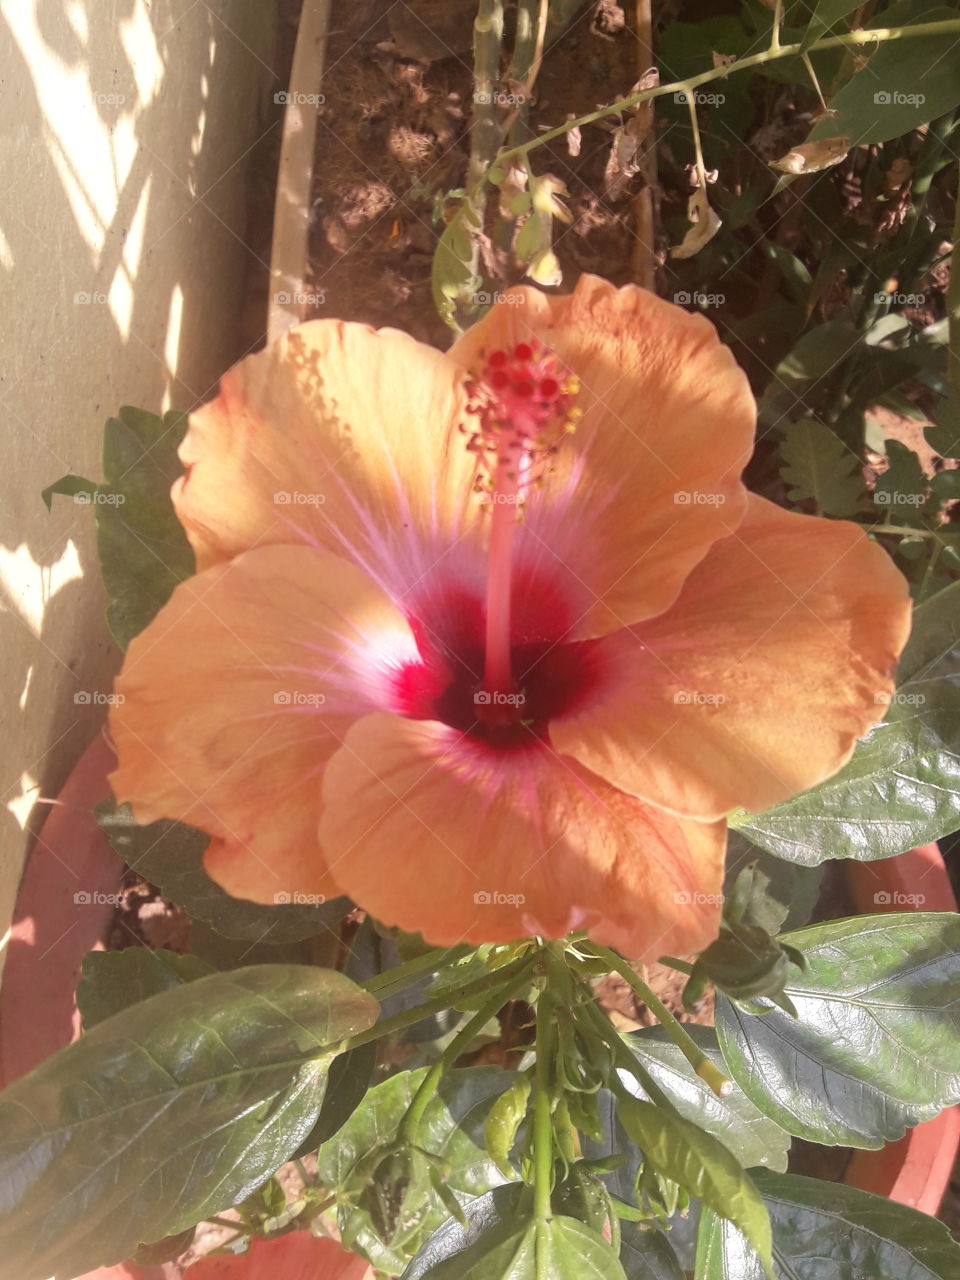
x=492, y=640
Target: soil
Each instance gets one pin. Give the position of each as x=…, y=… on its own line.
x=393, y=141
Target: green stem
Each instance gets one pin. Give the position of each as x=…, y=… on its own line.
x=239, y=1227
x=410, y=1017
x=431, y=1082
x=622, y=1055
x=542, y=1114
x=852, y=39
x=705, y=1069
x=953, y=301
x=404, y=975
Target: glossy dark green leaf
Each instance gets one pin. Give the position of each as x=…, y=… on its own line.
x=827, y=15
x=647, y=1254
x=144, y=552
x=905, y=83
x=170, y=855
x=752, y=1137
x=113, y=980
x=452, y=1128
x=169, y=1111
x=829, y=1231
x=347, y=1086
x=560, y=1248
x=902, y=786
x=482, y=1214
x=874, y=1049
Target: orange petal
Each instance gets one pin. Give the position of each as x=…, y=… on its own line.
x=231, y=702
x=757, y=683
x=431, y=832
x=651, y=476
x=295, y=1256
x=335, y=435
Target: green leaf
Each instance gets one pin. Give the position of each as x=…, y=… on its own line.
x=829, y=1231
x=451, y=1128
x=70, y=486
x=826, y=15
x=681, y=1151
x=896, y=91
x=783, y=893
x=347, y=1086
x=558, y=1249
x=647, y=1254
x=902, y=489
x=901, y=788
x=944, y=438
x=813, y=356
x=498, y=1208
x=454, y=275
x=113, y=980
x=170, y=855
x=873, y=1050
x=820, y=467
x=744, y=1130
x=144, y=552
x=169, y=1111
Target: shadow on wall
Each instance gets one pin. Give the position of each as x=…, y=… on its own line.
x=127, y=127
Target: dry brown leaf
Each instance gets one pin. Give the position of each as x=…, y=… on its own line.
x=811, y=157
x=705, y=224
x=626, y=153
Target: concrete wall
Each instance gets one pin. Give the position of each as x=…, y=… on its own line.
x=126, y=127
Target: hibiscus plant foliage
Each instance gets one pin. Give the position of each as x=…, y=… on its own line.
x=423, y=1052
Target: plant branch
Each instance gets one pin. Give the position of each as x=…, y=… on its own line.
x=702, y=1065
x=852, y=39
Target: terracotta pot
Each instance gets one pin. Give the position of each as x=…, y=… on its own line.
x=915, y=1170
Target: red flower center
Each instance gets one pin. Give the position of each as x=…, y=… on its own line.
x=550, y=675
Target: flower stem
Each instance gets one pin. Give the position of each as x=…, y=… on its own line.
x=404, y=975
x=702, y=1065
x=410, y=1017
x=542, y=1117
x=431, y=1082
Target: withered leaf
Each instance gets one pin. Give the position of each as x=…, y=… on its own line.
x=811, y=157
